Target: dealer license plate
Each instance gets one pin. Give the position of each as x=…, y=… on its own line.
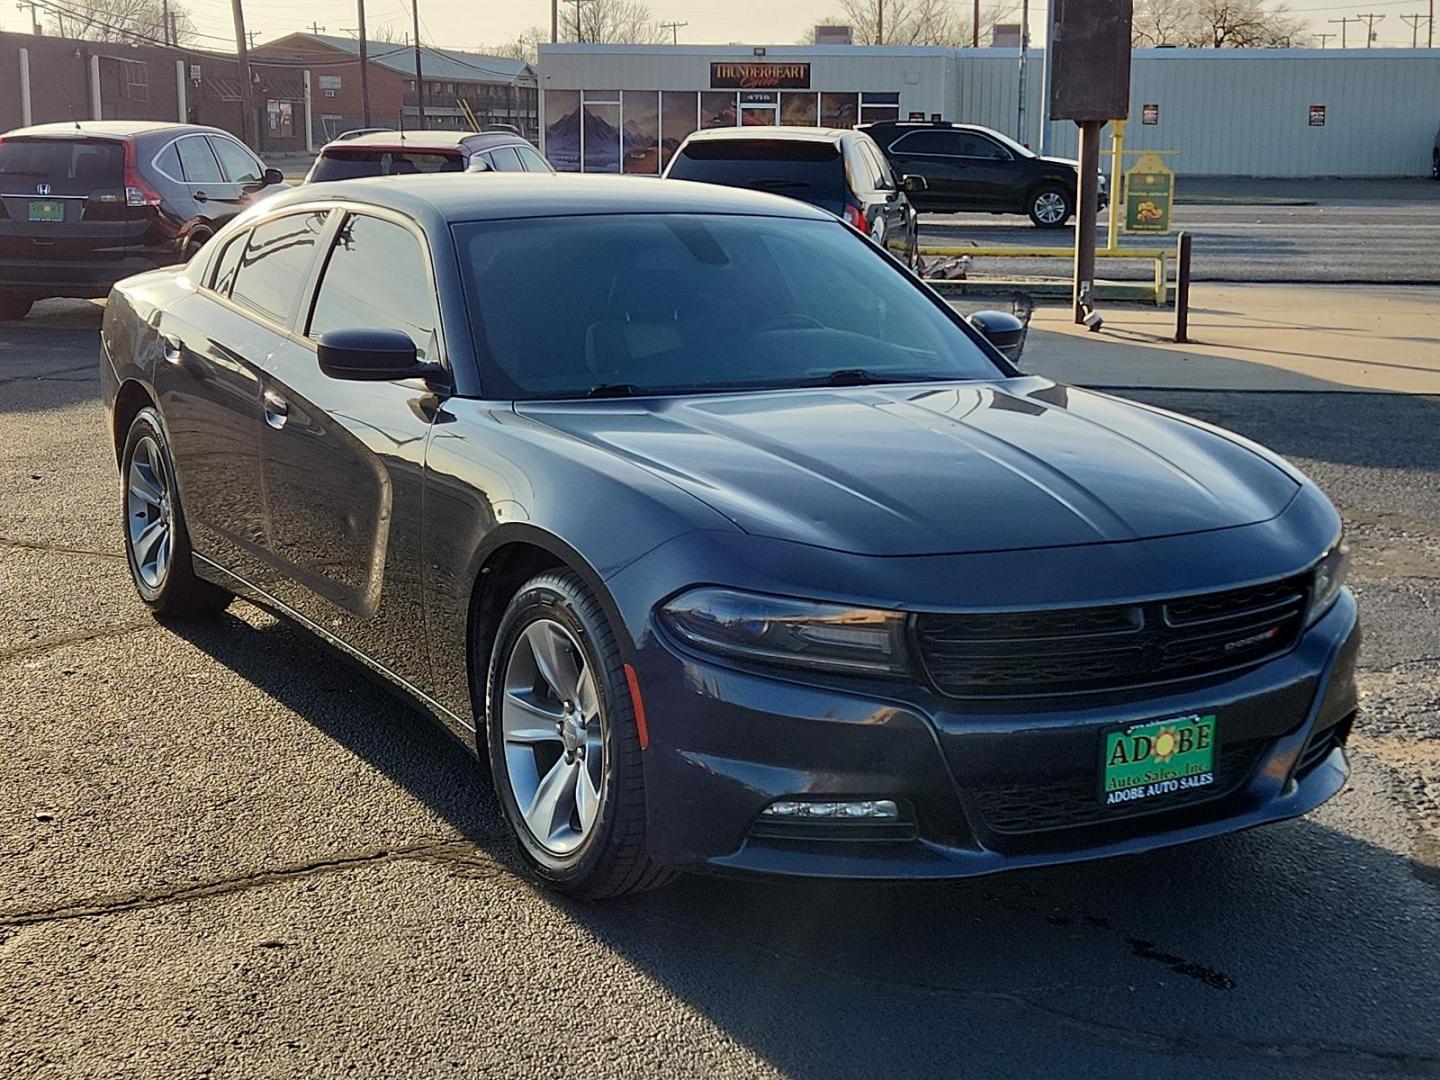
x=47, y=210
x=1157, y=758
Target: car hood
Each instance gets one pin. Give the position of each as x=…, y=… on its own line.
x=1074, y=163
x=937, y=468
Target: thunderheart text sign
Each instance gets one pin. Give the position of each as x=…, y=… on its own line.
x=762, y=75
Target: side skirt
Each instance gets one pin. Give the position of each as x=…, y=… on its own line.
x=456, y=726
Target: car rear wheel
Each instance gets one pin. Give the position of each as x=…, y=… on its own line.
x=14, y=307
x=157, y=546
x=1050, y=206
x=564, y=745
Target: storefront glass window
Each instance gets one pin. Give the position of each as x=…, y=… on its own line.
x=878, y=107
x=562, y=129
x=600, y=134
x=678, y=119
x=641, y=131
x=717, y=108
x=799, y=107
x=839, y=110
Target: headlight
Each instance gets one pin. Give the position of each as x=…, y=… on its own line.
x=797, y=633
x=1330, y=576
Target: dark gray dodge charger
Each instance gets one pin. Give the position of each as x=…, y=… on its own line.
x=721, y=538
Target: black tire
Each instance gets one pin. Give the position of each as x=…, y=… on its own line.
x=612, y=858
x=1050, y=206
x=174, y=591
x=14, y=307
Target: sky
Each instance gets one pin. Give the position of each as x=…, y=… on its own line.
x=467, y=24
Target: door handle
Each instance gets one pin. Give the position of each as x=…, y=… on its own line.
x=173, y=352
x=200, y=196
x=277, y=409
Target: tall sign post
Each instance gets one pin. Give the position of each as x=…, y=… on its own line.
x=1089, y=84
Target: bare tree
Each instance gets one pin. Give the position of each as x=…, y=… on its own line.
x=1215, y=24
x=388, y=34
x=618, y=22
x=523, y=46
x=920, y=22
x=123, y=20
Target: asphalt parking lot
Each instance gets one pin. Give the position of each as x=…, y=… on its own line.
x=1337, y=232
x=224, y=853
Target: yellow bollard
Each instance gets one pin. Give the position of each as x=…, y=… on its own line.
x=1117, y=156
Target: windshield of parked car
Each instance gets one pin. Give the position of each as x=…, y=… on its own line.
x=353, y=162
x=670, y=303
x=806, y=168
x=1011, y=144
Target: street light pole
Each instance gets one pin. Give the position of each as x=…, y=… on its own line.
x=247, y=88
x=419, y=75
x=1045, y=73
x=364, y=71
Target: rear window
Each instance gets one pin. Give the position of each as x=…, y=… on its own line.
x=350, y=163
x=804, y=168
x=69, y=166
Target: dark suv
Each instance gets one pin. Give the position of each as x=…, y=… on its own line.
x=85, y=204
x=974, y=168
x=838, y=170
x=403, y=153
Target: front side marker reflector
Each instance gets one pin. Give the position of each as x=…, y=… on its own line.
x=641, y=727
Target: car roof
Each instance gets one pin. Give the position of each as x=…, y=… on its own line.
x=927, y=125
x=115, y=129
x=429, y=140
x=440, y=198
x=780, y=131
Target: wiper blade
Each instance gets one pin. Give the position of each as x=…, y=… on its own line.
x=780, y=183
x=865, y=377
x=617, y=389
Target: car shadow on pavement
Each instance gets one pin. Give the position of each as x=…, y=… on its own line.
x=1300, y=944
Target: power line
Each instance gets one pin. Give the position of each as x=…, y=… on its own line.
x=674, y=28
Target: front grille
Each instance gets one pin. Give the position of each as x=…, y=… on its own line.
x=1102, y=648
x=1048, y=805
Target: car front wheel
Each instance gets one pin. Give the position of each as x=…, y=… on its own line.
x=1050, y=206
x=157, y=545
x=564, y=744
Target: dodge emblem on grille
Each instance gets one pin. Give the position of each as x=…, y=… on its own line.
x=42, y=189
x=1253, y=639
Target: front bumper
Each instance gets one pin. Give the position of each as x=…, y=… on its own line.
x=726, y=743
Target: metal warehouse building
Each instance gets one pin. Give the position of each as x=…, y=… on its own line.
x=1237, y=112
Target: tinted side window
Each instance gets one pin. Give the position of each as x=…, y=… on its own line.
x=239, y=165
x=377, y=277
x=533, y=161
x=981, y=147
x=879, y=172
x=228, y=263
x=928, y=142
x=168, y=162
x=275, y=263
x=198, y=162
x=506, y=160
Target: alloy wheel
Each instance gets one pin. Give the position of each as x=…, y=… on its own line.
x=554, y=733
x=1050, y=207
x=149, y=504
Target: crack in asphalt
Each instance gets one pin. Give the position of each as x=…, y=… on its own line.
x=59, y=640
x=47, y=376
x=464, y=852
x=58, y=549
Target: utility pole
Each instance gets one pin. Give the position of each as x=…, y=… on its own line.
x=1045, y=71
x=165, y=21
x=674, y=28
x=1369, y=19
x=251, y=35
x=419, y=76
x=1324, y=38
x=975, y=30
x=248, y=135
x=578, y=4
x=35, y=27
x=1024, y=50
x=1344, y=28
x=554, y=22
x=364, y=70
x=879, y=22
x=316, y=29
x=1414, y=21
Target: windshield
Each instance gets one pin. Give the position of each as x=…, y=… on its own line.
x=69, y=166
x=810, y=169
x=611, y=304
x=1011, y=144
x=351, y=163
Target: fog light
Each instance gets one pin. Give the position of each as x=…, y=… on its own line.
x=866, y=809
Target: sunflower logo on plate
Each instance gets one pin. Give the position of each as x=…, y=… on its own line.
x=1165, y=745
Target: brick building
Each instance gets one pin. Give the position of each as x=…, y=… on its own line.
x=497, y=89
x=44, y=79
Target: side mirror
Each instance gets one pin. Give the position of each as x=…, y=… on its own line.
x=1003, y=330
x=273, y=176
x=478, y=164
x=370, y=356
x=912, y=183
